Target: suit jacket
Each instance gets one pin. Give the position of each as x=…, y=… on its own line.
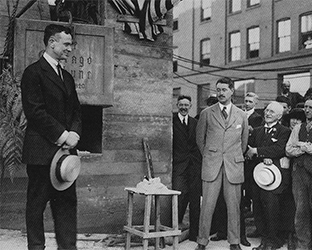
x=295, y=98
x=271, y=145
x=222, y=142
x=255, y=120
x=184, y=146
x=51, y=106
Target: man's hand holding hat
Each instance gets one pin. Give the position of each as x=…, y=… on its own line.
x=71, y=140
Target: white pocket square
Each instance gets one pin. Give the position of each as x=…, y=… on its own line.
x=274, y=140
x=238, y=126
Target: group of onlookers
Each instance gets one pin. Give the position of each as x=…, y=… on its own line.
x=241, y=161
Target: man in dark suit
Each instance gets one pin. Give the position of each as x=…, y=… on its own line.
x=254, y=120
x=186, y=165
x=222, y=136
x=294, y=97
x=267, y=144
x=53, y=117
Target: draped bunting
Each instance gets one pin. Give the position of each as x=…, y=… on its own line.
x=148, y=12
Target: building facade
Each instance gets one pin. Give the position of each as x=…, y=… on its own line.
x=258, y=43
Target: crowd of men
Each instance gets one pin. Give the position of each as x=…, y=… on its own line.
x=246, y=161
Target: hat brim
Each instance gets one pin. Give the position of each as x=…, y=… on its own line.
x=60, y=186
x=277, y=174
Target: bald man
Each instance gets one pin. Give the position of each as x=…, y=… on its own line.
x=267, y=145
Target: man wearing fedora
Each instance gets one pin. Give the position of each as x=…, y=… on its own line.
x=53, y=115
x=299, y=147
x=271, y=174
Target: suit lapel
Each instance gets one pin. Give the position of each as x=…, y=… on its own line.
x=179, y=125
x=51, y=74
x=232, y=116
x=216, y=112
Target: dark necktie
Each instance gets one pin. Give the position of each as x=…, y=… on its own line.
x=184, y=122
x=225, y=115
x=266, y=130
x=59, y=71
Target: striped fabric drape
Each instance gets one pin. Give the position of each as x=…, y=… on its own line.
x=148, y=12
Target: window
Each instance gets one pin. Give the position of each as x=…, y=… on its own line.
x=175, y=24
x=283, y=35
x=306, y=32
x=299, y=82
x=204, y=52
x=235, y=43
x=253, y=42
x=203, y=92
x=235, y=5
x=252, y=2
x=175, y=94
x=241, y=88
x=91, y=136
x=205, y=10
x=175, y=65
x=175, y=60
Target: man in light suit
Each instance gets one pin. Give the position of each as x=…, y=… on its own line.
x=53, y=117
x=222, y=137
x=186, y=165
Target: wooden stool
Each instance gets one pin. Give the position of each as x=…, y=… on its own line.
x=158, y=230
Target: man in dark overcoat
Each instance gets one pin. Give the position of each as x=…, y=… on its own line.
x=186, y=174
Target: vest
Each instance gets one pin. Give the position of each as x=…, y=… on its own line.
x=304, y=160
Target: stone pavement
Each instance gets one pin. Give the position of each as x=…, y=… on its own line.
x=16, y=240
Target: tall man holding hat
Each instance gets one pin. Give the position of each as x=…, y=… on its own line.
x=271, y=174
x=53, y=130
x=299, y=147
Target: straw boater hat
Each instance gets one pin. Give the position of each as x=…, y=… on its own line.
x=267, y=177
x=64, y=170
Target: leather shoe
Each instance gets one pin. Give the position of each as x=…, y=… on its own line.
x=260, y=247
x=200, y=247
x=235, y=247
x=218, y=237
x=245, y=242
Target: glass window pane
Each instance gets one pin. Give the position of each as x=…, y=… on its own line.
x=253, y=2
x=298, y=82
x=253, y=35
x=283, y=28
x=306, y=23
x=236, y=5
x=206, y=9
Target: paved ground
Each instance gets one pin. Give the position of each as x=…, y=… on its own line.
x=16, y=240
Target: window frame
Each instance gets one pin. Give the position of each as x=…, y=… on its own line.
x=231, y=5
x=202, y=62
x=305, y=34
x=247, y=85
x=202, y=10
x=231, y=48
x=249, y=51
x=278, y=38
